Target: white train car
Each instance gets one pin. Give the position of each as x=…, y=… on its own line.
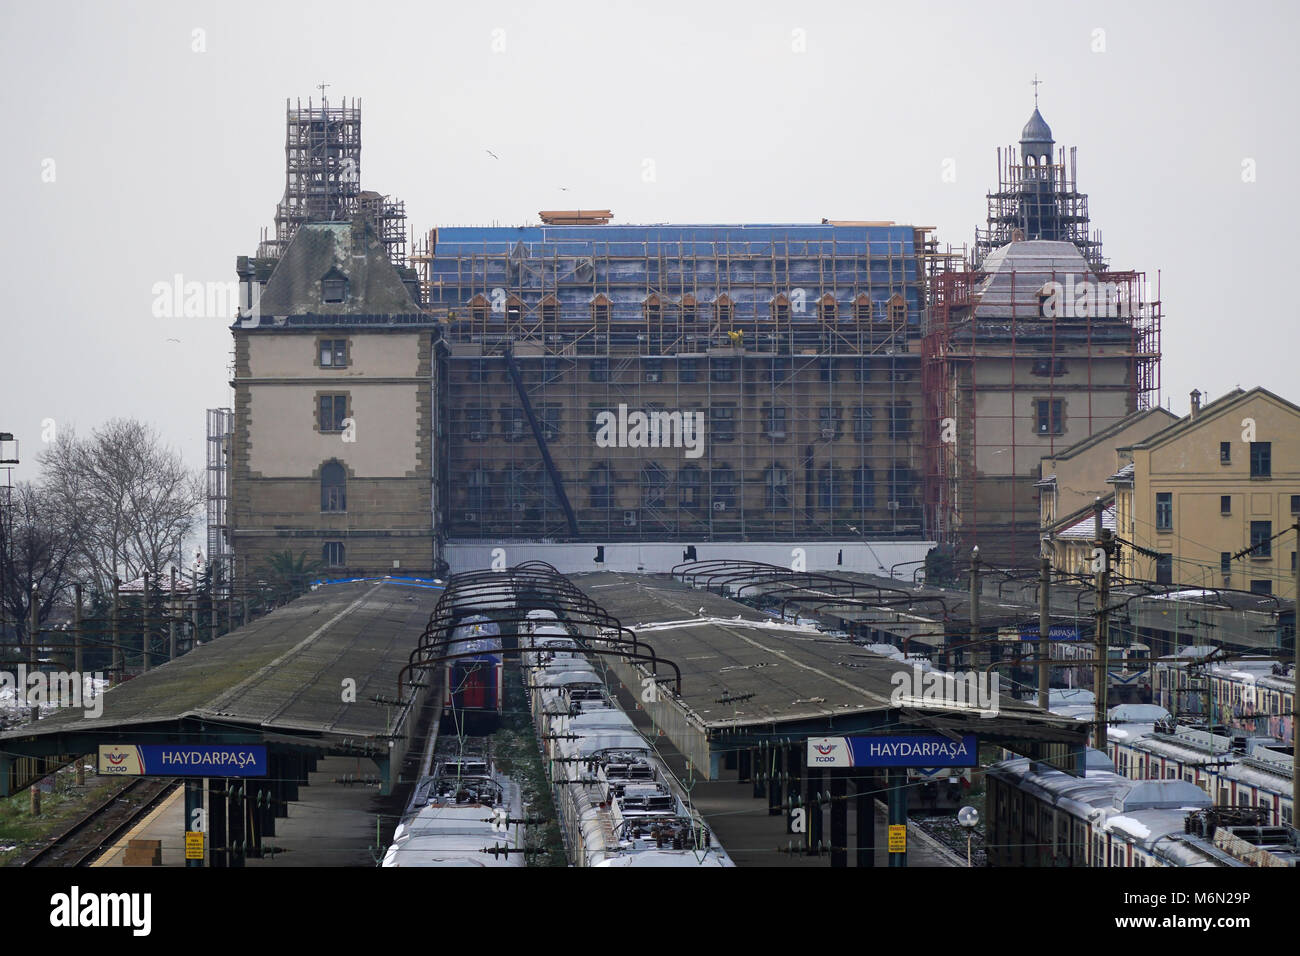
x=465, y=814
x=618, y=804
x=1044, y=817
x=1234, y=769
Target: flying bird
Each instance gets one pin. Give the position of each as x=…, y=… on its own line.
x=492, y=154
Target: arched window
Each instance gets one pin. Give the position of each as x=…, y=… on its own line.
x=777, y=480
x=334, y=554
x=333, y=487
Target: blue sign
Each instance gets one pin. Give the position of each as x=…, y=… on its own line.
x=895, y=750
x=1057, y=632
x=183, y=760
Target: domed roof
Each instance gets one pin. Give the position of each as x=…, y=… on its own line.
x=1036, y=130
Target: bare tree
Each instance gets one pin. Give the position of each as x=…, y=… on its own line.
x=41, y=552
x=132, y=497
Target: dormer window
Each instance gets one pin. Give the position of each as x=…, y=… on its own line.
x=334, y=287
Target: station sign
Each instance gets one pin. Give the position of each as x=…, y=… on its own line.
x=1029, y=632
x=183, y=760
x=894, y=750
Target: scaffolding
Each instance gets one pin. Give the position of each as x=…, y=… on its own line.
x=322, y=179
x=220, y=422
x=987, y=337
x=1038, y=201
x=797, y=344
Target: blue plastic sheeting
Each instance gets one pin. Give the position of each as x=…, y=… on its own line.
x=747, y=262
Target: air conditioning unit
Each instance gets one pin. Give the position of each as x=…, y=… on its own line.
x=828, y=433
x=629, y=519
x=719, y=506
x=779, y=433
x=469, y=517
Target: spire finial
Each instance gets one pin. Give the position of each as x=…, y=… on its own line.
x=1036, y=82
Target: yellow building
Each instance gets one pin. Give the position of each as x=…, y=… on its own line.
x=1216, y=483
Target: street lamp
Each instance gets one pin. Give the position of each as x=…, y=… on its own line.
x=968, y=817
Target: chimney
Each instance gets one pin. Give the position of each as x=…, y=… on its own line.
x=1196, y=403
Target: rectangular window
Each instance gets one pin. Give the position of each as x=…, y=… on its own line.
x=828, y=420
x=652, y=370
x=513, y=424
x=478, y=422
x=1295, y=504
x=862, y=370
x=1049, y=415
x=333, y=554
x=775, y=421
x=722, y=370
x=900, y=420
x=599, y=370
x=333, y=290
x=1225, y=562
x=826, y=370
x=1225, y=453
x=1261, y=459
x=1048, y=367
x=1225, y=504
x=1165, y=569
x=1164, y=511
x=687, y=370
x=1264, y=586
x=478, y=370
x=862, y=423
x=1261, y=539
x=334, y=353
x=548, y=418
x=333, y=409
x=722, y=422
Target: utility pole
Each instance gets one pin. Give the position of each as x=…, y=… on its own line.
x=171, y=639
x=974, y=594
x=77, y=668
x=35, y=628
x=144, y=640
x=118, y=669
x=1044, y=628
x=1102, y=667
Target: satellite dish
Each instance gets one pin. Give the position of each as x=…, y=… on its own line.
x=968, y=816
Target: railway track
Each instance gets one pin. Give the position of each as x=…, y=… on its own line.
x=95, y=831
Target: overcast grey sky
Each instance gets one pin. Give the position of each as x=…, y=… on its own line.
x=164, y=123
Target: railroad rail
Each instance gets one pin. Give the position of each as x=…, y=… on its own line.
x=81, y=843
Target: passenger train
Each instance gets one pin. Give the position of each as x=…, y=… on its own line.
x=1249, y=696
x=464, y=814
x=617, y=802
x=1044, y=817
x=473, y=685
x=1234, y=769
